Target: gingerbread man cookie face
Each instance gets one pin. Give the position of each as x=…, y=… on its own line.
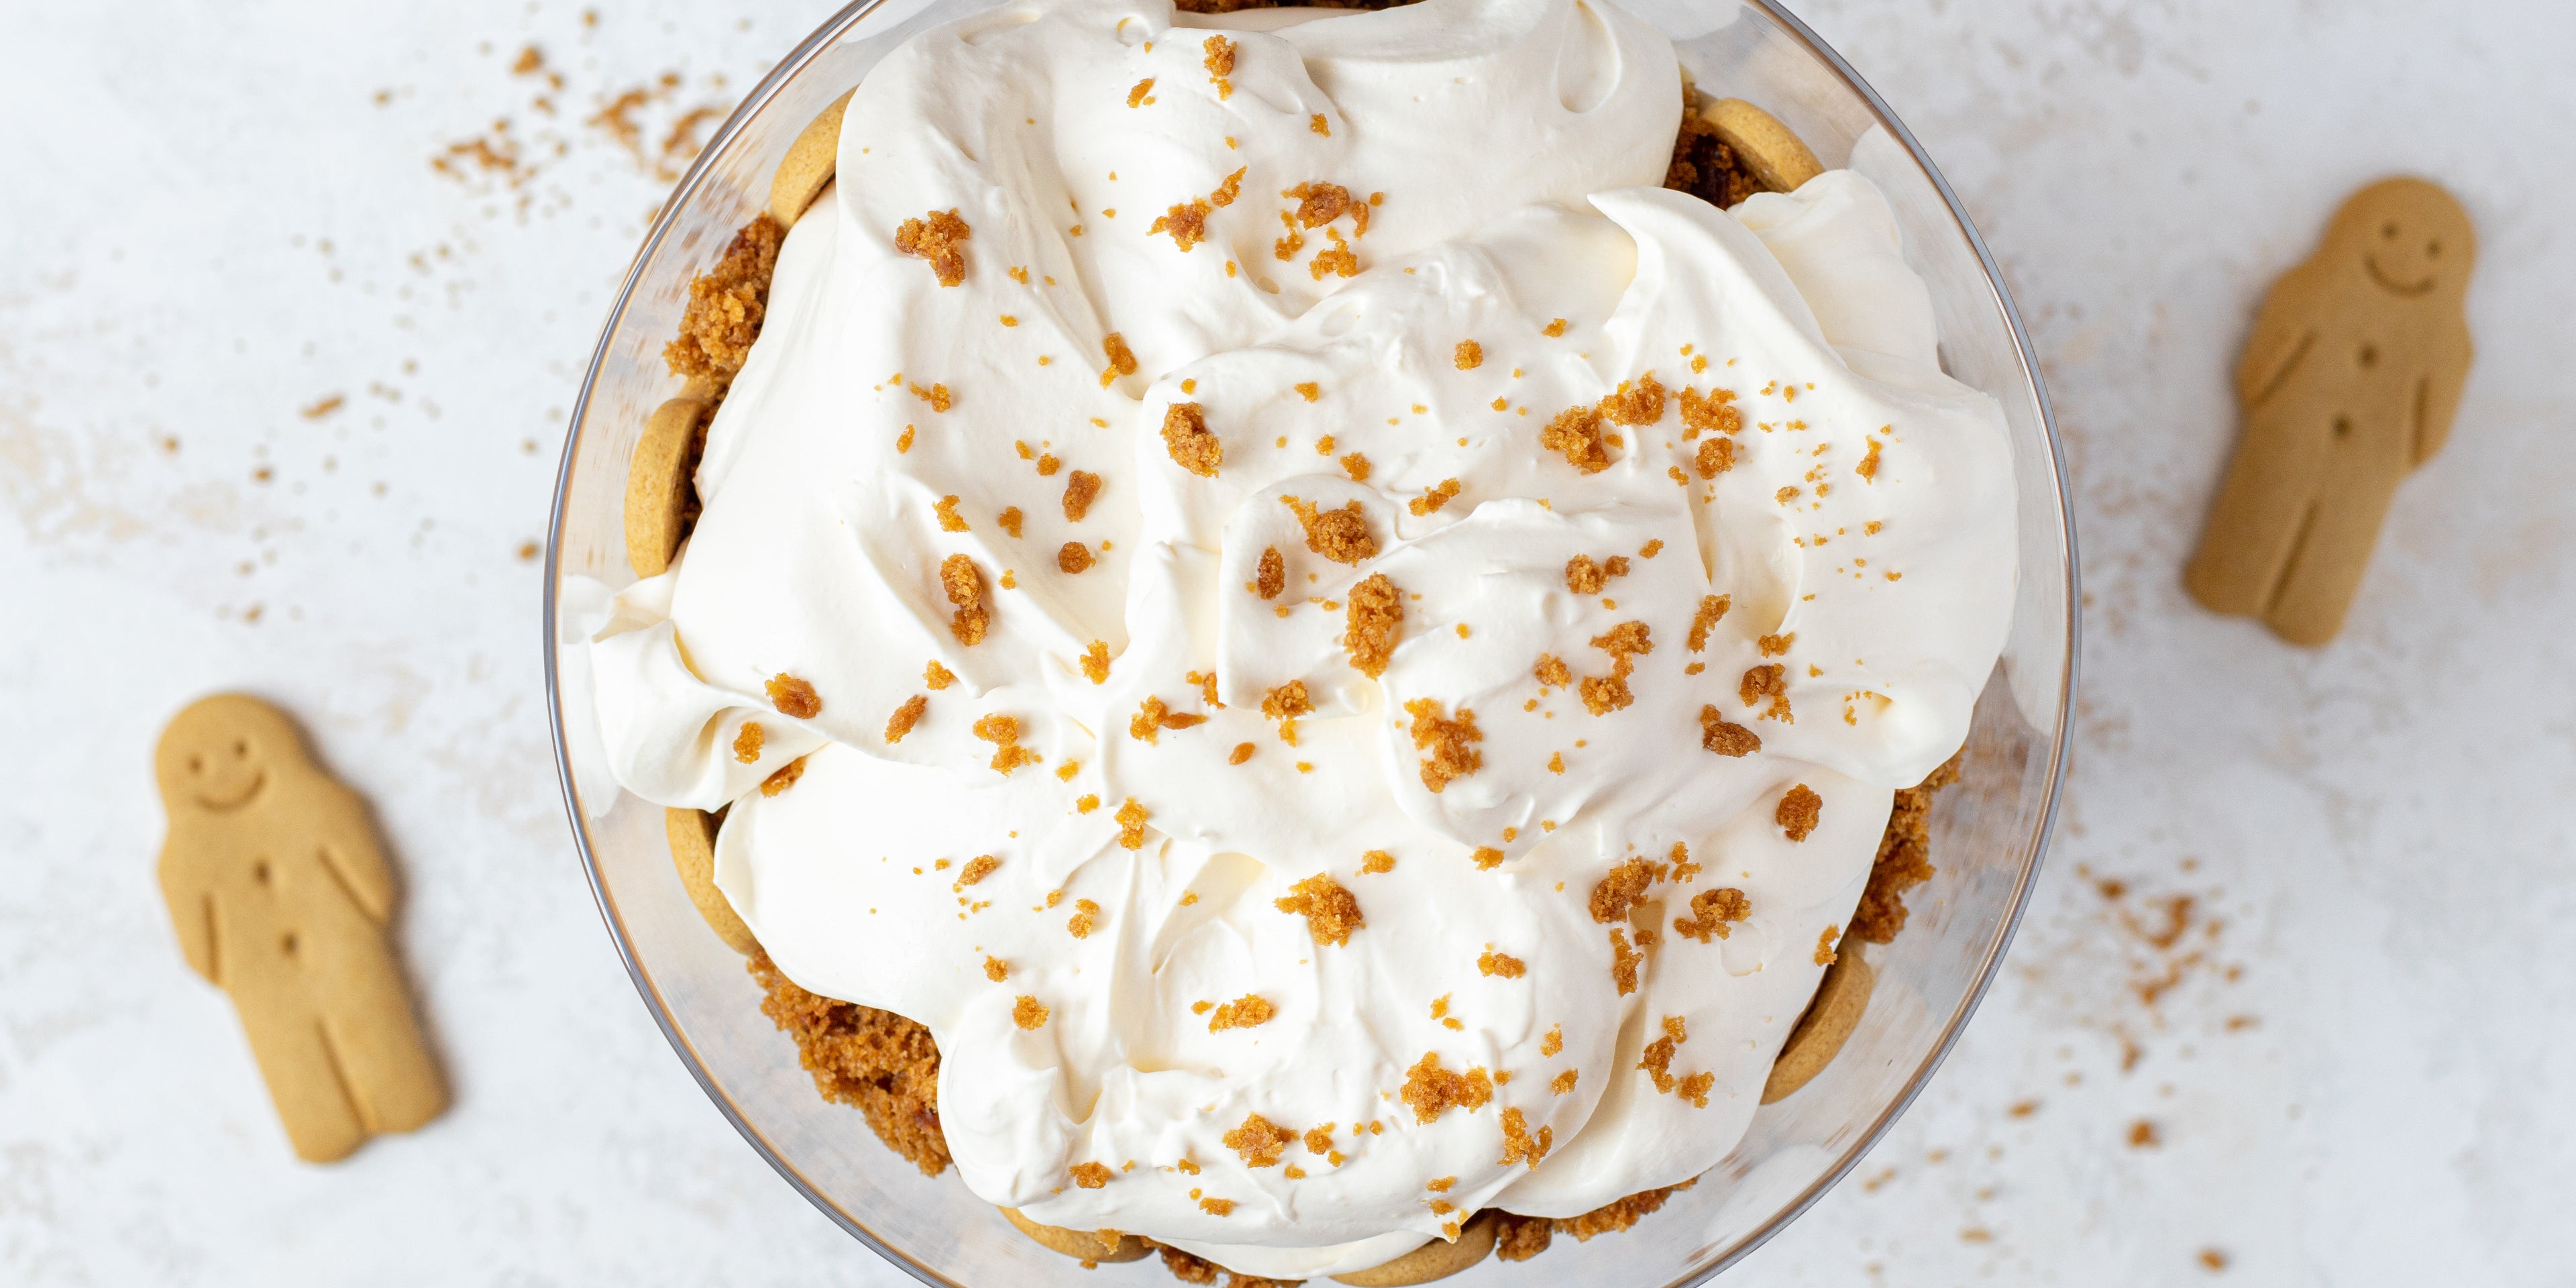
x=279, y=895
x=2347, y=384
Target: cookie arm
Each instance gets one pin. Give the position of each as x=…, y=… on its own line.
x=2437, y=395
x=2281, y=336
x=192, y=914
x=346, y=844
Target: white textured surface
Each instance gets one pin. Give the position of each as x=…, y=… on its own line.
x=2381, y=828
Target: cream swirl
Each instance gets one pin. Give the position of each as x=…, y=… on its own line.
x=1486, y=543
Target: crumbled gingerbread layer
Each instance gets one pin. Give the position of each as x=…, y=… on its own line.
x=726, y=306
x=877, y=1061
x=1705, y=167
x=1904, y=857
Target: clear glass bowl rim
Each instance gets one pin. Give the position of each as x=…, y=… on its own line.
x=822, y=38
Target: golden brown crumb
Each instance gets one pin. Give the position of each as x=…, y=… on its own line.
x=1319, y=1140
x=1554, y=328
x=1122, y=360
x=1711, y=911
x=1469, y=355
x=1518, y=1145
x=1080, y=488
x=1519, y=1238
x=881, y=1063
x=1086, y=916
x=1621, y=1214
x=1431, y=501
x=785, y=777
x=949, y=519
x=1185, y=221
x=1357, y=466
x=1220, y=65
x=1825, y=941
x=1605, y=694
x=1243, y=751
x=1800, y=808
x=937, y=237
x=1189, y=1269
x=1153, y=716
x=1868, y=467
x=1272, y=576
x=1260, y=1141
x=963, y=583
x=1247, y=1011
x=1339, y=535
x=1376, y=861
x=1028, y=1012
x=996, y=970
x=976, y=869
x=936, y=676
x=1642, y=404
x=1620, y=890
x=1775, y=645
x=1131, y=824
x=1186, y=437
x=1091, y=1176
x=1696, y=1087
x=1010, y=519
x=1319, y=125
x=1073, y=557
x=1767, y=681
x=905, y=717
x=1553, y=1042
x=1904, y=858
x=1309, y=390
x=1095, y=662
x=1563, y=1083
x=1716, y=456
x=1431, y=1091
x=1331, y=912
x=1319, y=204
x=793, y=697
x=1576, y=433
x=1584, y=577
x=1372, y=624
x=1220, y=1207
x=1658, y=1055
x=1712, y=608
x=726, y=306
x=1340, y=259
x=1047, y=465
x=1719, y=735
x=1487, y=858
x=1503, y=964
x=746, y=744
x=1624, y=962
x=1552, y=672
x=1709, y=414
x=1452, y=757
x=1136, y=97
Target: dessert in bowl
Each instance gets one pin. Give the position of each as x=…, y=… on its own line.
x=1363, y=689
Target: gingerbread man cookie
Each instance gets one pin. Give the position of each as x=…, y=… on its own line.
x=280, y=897
x=2347, y=384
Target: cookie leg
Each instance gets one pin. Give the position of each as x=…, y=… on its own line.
x=393, y=1080
x=304, y=1077
x=2255, y=523
x=2324, y=572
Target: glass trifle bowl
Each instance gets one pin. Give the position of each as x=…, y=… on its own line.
x=1987, y=833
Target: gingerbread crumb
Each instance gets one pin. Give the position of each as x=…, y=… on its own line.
x=996, y=970
x=905, y=717
x=1469, y=355
x=1091, y=1176
x=1712, y=608
x=976, y=869
x=785, y=777
x=1431, y=501
x=1010, y=519
x=1431, y=1091
x=1640, y=403
x=1319, y=204
x=1624, y=962
x=1331, y=912
x=1623, y=888
x=1004, y=733
x=1712, y=413
x=1658, y=1055
x=727, y=304
x=1245, y=1012
x=885, y=1066
x=747, y=743
x=1519, y=1238
x=1372, y=624
x=1028, y=1012
x=1376, y=861
x=1521, y=1147
x=1503, y=964
x=1448, y=742
x=1904, y=857
x=1081, y=488
x=1584, y=577
x=963, y=583
x=1272, y=576
x=1718, y=734
x=793, y=697
x=1711, y=912
x=1576, y=434
x=937, y=237
x=1868, y=467
x=1073, y=557
x=936, y=676
x=1122, y=360
x=1356, y=464
x=1825, y=941
x=1552, y=672
x=1186, y=437
x=1189, y=1269
x=1716, y=456
x=1095, y=662
x=1487, y=858
x=1220, y=65
x=1767, y=681
x=1243, y=751
x=1800, y=809
x=1260, y=1141
x=1131, y=824
x=1339, y=535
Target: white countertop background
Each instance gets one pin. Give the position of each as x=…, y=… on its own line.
x=208, y=221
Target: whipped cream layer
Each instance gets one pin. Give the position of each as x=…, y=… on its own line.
x=1299, y=990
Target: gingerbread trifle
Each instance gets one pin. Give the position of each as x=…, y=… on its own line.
x=1298, y=635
